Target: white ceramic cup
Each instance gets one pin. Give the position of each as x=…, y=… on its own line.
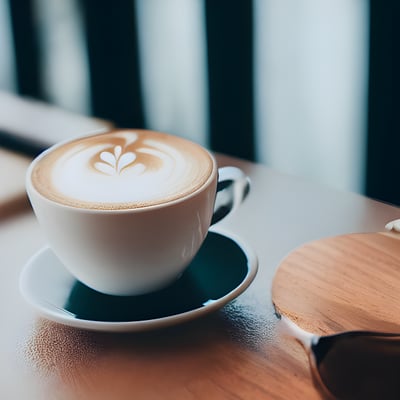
x=138, y=250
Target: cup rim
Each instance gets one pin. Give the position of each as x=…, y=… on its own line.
x=30, y=187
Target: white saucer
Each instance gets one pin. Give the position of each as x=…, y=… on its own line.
x=224, y=267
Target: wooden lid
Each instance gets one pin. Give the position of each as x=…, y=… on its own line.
x=349, y=282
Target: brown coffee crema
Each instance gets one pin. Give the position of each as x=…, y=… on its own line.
x=122, y=169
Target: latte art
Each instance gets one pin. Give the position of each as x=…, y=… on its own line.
x=113, y=163
x=122, y=169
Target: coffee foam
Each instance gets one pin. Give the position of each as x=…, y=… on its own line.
x=122, y=169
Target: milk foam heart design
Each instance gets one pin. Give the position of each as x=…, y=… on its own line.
x=114, y=163
x=124, y=168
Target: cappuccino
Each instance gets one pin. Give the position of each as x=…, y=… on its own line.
x=123, y=169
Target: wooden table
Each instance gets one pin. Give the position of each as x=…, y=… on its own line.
x=235, y=353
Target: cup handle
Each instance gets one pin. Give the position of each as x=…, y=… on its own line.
x=233, y=187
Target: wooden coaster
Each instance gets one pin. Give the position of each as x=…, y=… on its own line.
x=348, y=282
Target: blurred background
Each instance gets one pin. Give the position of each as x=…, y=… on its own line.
x=303, y=86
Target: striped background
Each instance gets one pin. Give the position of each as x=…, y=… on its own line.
x=282, y=82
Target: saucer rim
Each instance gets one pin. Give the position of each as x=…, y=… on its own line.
x=62, y=316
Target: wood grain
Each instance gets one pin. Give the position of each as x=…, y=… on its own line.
x=347, y=282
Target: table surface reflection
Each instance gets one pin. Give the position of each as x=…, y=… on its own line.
x=234, y=353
